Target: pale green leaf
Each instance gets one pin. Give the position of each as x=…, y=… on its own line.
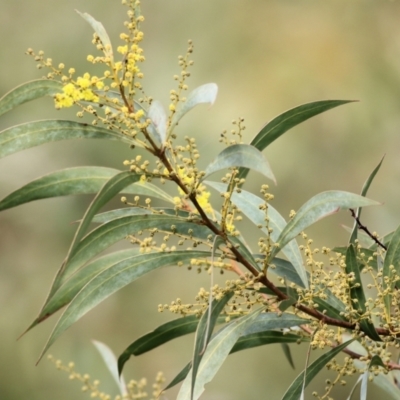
x=111, y=362
x=100, y=31
x=113, y=279
x=31, y=134
x=158, y=117
x=216, y=353
x=240, y=155
x=318, y=207
x=27, y=92
x=283, y=122
x=249, y=204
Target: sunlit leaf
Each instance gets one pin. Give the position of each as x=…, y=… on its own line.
x=216, y=353
x=204, y=94
x=249, y=204
x=27, y=92
x=113, y=279
x=111, y=363
x=240, y=155
x=364, y=192
x=31, y=134
x=283, y=122
x=318, y=207
x=100, y=31
x=158, y=118
x=295, y=389
x=392, y=260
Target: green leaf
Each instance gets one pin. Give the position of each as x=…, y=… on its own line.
x=31, y=134
x=113, y=231
x=204, y=331
x=27, y=92
x=100, y=31
x=240, y=155
x=286, y=349
x=71, y=287
x=216, y=353
x=357, y=292
x=362, y=258
x=392, y=258
x=113, y=279
x=204, y=94
x=111, y=362
x=263, y=338
x=286, y=270
x=283, y=122
x=295, y=389
x=364, y=190
x=318, y=207
x=249, y=204
x=158, y=126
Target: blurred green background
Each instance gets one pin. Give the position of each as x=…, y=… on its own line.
x=266, y=56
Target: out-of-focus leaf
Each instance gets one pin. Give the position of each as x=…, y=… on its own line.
x=283, y=122
x=113, y=231
x=70, y=288
x=357, y=292
x=240, y=155
x=267, y=337
x=100, y=31
x=295, y=389
x=216, y=353
x=27, y=92
x=286, y=351
x=318, y=207
x=249, y=204
x=111, y=363
x=113, y=279
x=203, y=333
x=180, y=377
x=31, y=134
x=204, y=94
x=364, y=191
x=158, y=118
x=392, y=258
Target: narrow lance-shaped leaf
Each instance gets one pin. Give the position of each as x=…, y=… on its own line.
x=357, y=292
x=113, y=231
x=364, y=191
x=283, y=122
x=295, y=389
x=391, y=267
x=158, y=117
x=240, y=155
x=31, y=134
x=318, y=207
x=100, y=31
x=113, y=279
x=204, y=331
x=216, y=353
x=111, y=363
x=27, y=92
x=73, y=181
x=204, y=94
x=249, y=204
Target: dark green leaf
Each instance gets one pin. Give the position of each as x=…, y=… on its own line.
x=392, y=258
x=240, y=155
x=283, y=122
x=364, y=191
x=113, y=279
x=363, y=258
x=286, y=351
x=295, y=389
x=31, y=134
x=27, y=92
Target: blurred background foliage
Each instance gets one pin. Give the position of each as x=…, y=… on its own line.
x=266, y=56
